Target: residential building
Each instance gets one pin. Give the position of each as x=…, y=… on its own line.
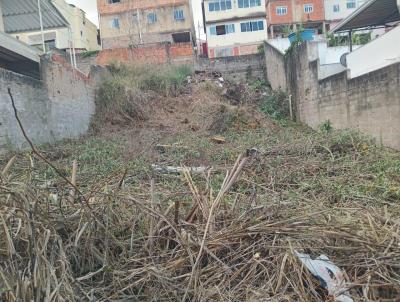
x=234, y=27
x=126, y=23
x=65, y=26
x=287, y=15
x=337, y=10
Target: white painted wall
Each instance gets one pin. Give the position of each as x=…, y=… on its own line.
x=235, y=12
x=237, y=38
x=343, y=12
x=377, y=54
x=35, y=37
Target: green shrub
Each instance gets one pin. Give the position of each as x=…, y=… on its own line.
x=276, y=105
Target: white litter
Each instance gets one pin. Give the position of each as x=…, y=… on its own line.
x=221, y=79
x=330, y=276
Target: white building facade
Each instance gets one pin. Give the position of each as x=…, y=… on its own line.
x=234, y=27
x=336, y=10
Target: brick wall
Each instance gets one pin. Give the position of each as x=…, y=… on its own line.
x=369, y=103
x=57, y=107
x=234, y=68
x=153, y=53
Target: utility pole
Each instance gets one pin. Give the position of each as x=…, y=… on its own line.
x=41, y=26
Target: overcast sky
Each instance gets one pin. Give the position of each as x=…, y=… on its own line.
x=90, y=7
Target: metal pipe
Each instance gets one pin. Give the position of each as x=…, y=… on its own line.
x=41, y=26
x=351, y=39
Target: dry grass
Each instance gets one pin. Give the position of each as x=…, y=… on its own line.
x=228, y=234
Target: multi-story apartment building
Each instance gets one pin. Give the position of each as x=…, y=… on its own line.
x=336, y=10
x=125, y=23
x=234, y=27
x=286, y=15
x=65, y=26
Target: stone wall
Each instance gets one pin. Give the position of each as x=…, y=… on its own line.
x=236, y=67
x=369, y=103
x=59, y=106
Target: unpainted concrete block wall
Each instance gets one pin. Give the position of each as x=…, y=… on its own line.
x=275, y=67
x=57, y=107
x=236, y=67
x=369, y=103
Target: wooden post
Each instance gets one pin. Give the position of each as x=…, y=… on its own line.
x=73, y=179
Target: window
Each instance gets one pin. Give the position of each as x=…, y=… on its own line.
x=220, y=30
x=249, y=3
x=351, y=4
x=114, y=23
x=336, y=8
x=252, y=26
x=213, y=31
x=151, y=18
x=178, y=15
x=281, y=10
x=308, y=8
x=113, y=1
x=215, y=6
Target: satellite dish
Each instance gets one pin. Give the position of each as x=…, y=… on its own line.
x=343, y=59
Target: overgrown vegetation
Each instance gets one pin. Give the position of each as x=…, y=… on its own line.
x=126, y=232
x=276, y=105
x=343, y=40
x=91, y=53
x=126, y=92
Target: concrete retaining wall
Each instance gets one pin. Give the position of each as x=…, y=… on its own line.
x=275, y=67
x=369, y=103
x=236, y=68
x=57, y=107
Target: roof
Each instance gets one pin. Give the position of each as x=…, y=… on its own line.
x=372, y=14
x=23, y=16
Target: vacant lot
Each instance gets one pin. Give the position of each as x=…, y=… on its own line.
x=189, y=191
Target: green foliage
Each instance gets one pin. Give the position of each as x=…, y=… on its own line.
x=276, y=105
x=326, y=126
x=90, y=53
x=167, y=81
x=296, y=42
x=343, y=40
x=261, y=49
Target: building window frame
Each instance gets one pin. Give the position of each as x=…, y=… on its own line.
x=113, y=1
x=251, y=26
x=281, y=10
x=249, y=3
x=221, y=30
x=351, y=4
x=114, y=23
x=179, y=14
x=336, y=8
x=308, y=8
x=151, y=17
x=219, y=5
